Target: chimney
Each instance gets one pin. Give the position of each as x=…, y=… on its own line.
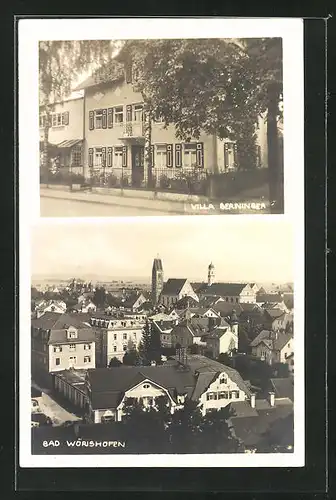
x=271, y=398
x=253, y=400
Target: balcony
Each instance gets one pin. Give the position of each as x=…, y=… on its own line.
x=132, y=130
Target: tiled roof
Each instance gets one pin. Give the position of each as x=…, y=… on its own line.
x=283, y=387
x=243, y=409
x=52, y=320
x=274, y=313
x=217, y=333
x=274, y=340
x=202, y=383
x=186, y=302
x=173, y=286
x=164, y=326
x=269, y=297
x=60, y=336
x=226, y=308
x=223, y=289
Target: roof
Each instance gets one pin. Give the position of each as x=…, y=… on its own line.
x=226, y=308
x=60, y=336
x=185, y=302
x=199, y=310
x=52, y=320
x=160, y=316
x=283, y=387
x=274, y=340
x=252, y=429
x=111, y=74
x=243, y=409
x=194, y=326
x=222, y=289
x=69, y=144
x=164, y=326
x=108, y=385
x=275, y=313
x=173, y=286
x=269, y=297
x=217, y=333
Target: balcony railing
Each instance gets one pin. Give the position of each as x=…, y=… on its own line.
x=132, y=130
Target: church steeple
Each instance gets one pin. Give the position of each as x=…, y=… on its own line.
x=211, y=273
x=157, y=279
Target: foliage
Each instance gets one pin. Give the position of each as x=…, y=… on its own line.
x=114, y=363
x=99, y=297
x=132, y=356
x=225, y=359
x=280, y=370
x=150, y=345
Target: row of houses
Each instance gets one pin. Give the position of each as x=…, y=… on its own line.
x=101, y=130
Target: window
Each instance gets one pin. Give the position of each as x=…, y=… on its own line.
x=87, y=359
x=42, y=121
x=125, y=336
x=223, y=380
x=161, y=156
x=72, y=334
x=231, y=299
x=76, y=156
x=223, y=395
x=288, y=345
x=72, y=347
x=146, y=386
x=57, y=361
x=138, y=112
x=114, y=336
x=98, y=154
x=118, y=157
x=73, y=359
x=87, y=347
x=211, y=396
x=59, y=119
x=114, y=348
x=54, y=120
x=118, y=114
x=124, y=347
x=134, y=335
x=189, y=158
x=98, y=114
x=237, y=300
x=57, y=349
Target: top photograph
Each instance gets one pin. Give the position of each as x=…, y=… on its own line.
x=161, y=127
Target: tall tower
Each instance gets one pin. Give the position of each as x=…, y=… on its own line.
x=157, y=279
x=211, y=274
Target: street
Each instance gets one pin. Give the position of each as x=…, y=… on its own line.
x=54, y=207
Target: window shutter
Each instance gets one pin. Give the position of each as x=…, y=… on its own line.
x=124, y=156
x=129, y=112
x=104, y=118
x=110, y=117
x=66, y=118
x=90, y=157
x=109, y=156
x=178, y=155
x=91, y=120
x=235, y=153
x=226, y=156
x=103, y=157
x=199, y=154
x=169, y=149
x=152, y=156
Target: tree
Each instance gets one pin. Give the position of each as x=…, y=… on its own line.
x=150, y=345
x=99, y=297
x=132, y=356
x=225, y=359
x=114, y=363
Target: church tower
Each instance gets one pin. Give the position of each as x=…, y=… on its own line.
x=211, y=274
x=157, y=280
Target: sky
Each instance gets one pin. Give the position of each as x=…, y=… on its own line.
x=241, y=248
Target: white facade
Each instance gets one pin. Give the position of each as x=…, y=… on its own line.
x=169, y=300
x=122, y=334
x=78, y=356
x=62, y=128
x=223, y=344
x=221, y=393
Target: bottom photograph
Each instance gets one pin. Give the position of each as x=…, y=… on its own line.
x=161, y=338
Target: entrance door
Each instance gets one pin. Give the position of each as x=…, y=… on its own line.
x=137, y=165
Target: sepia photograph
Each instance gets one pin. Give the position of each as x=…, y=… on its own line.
x=147, y=340
x=161, y=126
x=166, y=347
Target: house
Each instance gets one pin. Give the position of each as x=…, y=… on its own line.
x=198, y=378
x=135, y=301
x=276, y=319
x=283, y=388
x=164, y=328
x=66, y=134
x=43, y=306
x=85, y=296
x=272, y=346
x=190, y=331
x=199, y=312
x=86, y=306
x=186, y=302
x=116, y=335
x=174, y=289
x=290, y=362
x=59, y=342
x=255, y=287
x=222, y=339
x=224, y=309
x=271, y=300
x=234, y=293
x=252, y=423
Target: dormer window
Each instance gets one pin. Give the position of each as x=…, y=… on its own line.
x=72, y=333
x=223, y=380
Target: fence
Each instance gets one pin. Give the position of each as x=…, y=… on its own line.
x=197, y=181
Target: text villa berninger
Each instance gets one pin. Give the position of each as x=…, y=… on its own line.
x=228, y=206
x=79, y=443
